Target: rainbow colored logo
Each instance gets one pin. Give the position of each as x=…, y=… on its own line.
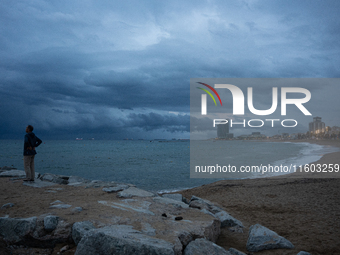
x=213, y=90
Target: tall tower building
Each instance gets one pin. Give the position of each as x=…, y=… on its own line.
x=317, y=126
x=223, y=130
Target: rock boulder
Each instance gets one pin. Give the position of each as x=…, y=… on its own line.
x=203, y=247
x=261, y=238
x=122, y=240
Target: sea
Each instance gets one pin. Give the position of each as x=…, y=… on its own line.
x=159, y=166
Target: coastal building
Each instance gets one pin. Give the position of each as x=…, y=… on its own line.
x=317, y=126
x=223, y=131
x=253, y=136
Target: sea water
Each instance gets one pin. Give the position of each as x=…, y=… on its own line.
x=151, y=165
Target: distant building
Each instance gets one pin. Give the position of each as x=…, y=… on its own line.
x=285, y=135
x=223, y=131
x=317, y=126
x=253, y=136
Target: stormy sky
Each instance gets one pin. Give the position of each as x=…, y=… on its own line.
x=122, y=69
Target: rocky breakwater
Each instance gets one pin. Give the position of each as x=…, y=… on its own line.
x=129, y=220
x=132, y=220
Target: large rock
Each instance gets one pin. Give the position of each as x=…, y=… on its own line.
x=8, y=205
x=208, y=207
x=199, y=203
x=135, y=192
x=227, y=220
x=51, y=222
x=14, y=230
x=54, y=178
x=170, y=201
x=77, y=181
x=175, y=196
x=209, y=231
x=60, y=206
x=79, y=229
x=233, y=251
x=203, y=247
x=121, y=240
x=116, y=188
x=261, y=238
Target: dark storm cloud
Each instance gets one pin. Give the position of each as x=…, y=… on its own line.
x=109, y=66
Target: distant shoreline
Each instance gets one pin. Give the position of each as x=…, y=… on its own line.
x=327, y=158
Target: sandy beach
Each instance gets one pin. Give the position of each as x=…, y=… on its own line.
x=305, y=209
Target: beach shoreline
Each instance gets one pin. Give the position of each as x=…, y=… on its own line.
x=302, y=207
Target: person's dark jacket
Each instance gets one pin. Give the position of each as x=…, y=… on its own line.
x=31, y=141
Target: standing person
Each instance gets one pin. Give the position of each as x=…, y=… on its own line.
x=31, y=142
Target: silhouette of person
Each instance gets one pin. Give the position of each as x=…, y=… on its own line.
x=31, y=142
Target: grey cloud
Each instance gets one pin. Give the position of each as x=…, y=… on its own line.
x=65, y=65
x=151, y=121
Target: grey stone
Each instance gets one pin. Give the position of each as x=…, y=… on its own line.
x=208, y=212
x=16, y=173
x=203, y=247
x=210, y=231
x=8, y=205
x=199, y=203
x=303, y=253
x=175, y=196
x=117, y=188
x=261, y=238
x=148, y=230
x=185, y=238
x=209, y=208
x=79, y=229
x=77, y=209
x=135, y=192
x=60, y=206
x=77, y=181
x=63, y=232
x=236, y=252
x=122, y=240
x=97, y=184
x=227, y=220
x=51, y=222
x=14, y=230
x=65, y=248
x=54, y=178
x=170, y=201
x=56, y=202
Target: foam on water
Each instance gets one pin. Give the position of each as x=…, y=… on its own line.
x=307, y=154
